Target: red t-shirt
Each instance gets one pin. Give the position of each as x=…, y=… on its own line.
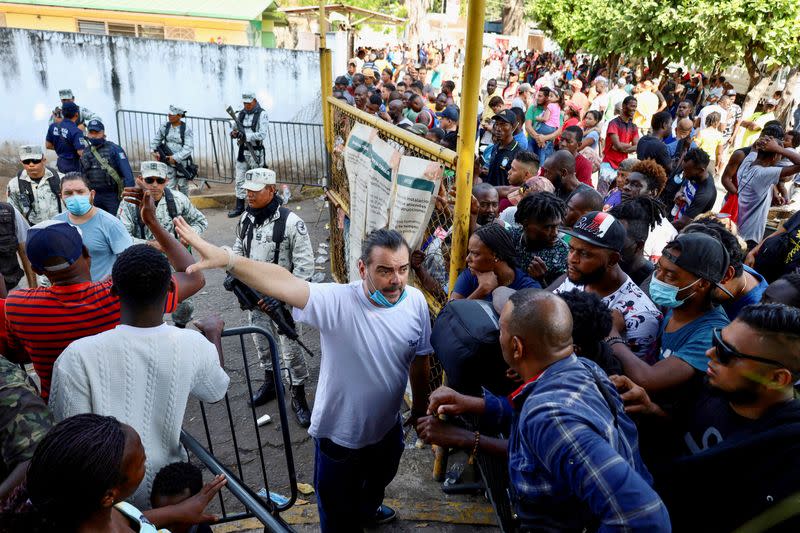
x=583, y=170
x=45, y=320
x=627, y=133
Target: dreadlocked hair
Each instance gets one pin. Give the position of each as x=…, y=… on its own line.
x=654, y=173
x=642, y=213
x=540, y=207
x=497, y=239
x=73, y=466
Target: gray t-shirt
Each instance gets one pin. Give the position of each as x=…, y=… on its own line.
x=105, y=237
x=755, y=196
x=366, y=355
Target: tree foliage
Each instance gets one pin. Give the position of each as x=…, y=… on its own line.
x=704, y=33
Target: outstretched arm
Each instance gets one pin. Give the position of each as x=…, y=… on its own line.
x=266, y=278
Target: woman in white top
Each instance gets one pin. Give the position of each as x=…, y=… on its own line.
x=79, y=476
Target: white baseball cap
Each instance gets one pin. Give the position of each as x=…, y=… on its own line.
x=175, y=110
x=258, y=178
x=248, y=97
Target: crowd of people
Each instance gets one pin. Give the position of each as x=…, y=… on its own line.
x=642, y=339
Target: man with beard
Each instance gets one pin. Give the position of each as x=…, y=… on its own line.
x=559, y=169
x=539, y=250
x=689, y=272
x=273, y=234
x=395, y=111
x=504, y=149
x=593, y=265
x=746, y=416
x=361, y=97
x=488, y=204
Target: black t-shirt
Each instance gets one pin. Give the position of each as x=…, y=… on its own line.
x=450, y=139
x=704, y=198
x=564, y=195
x=501, y=163
x=641, y=275
x=650, y=147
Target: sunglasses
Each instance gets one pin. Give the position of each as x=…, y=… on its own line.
x=151, y=180
x=725, y=353
x=31, y=161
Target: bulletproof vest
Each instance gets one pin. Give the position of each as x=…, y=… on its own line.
x=172, y=211
x=9, y=266
x=254, y=125
x=95, y=173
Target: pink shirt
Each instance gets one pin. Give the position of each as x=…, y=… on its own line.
x=555, y=115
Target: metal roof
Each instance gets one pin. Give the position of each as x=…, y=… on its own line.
x=218, y=9
x=364, y=15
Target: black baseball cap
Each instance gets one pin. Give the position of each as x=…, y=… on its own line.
x=341, y=80
x=701, y=255
x=600, y=229
x=506, y=115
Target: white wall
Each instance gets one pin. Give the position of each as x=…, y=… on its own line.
x=110, y=73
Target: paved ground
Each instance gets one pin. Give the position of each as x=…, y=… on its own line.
x=421, y=504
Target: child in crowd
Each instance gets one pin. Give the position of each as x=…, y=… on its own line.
x=173, y=484
x=614, y=196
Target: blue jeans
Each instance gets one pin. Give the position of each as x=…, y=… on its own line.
x=350, y=483
x=542, y=152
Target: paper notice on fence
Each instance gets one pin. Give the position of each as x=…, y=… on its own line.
x=417, y=182
x=385, y=160
x=358, y=164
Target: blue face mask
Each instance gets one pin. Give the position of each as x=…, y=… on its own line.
x=380, y=300
x=665, y=294
x=78, y=205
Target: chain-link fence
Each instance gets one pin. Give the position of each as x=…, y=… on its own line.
x=437, y=239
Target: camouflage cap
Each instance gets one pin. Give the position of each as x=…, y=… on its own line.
x=258, y=178
x=65, y=94
x=248, y=97
x=30, y=151
x=154, y=168
x=175, y=110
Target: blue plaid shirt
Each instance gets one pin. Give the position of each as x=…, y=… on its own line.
x=567, y=452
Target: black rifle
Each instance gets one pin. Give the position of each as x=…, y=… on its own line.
x=183, y=171
x=242, y=138
x=275, y=309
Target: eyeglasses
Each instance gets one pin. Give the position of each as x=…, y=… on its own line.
x=725, y=353
x=150, y=180
x=31, y=161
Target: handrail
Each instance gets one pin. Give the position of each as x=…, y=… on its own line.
x=251, y=501
x=420, y=143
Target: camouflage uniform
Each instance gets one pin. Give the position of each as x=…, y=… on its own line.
x=84, y=114
x=181, y=151
x=249, y=161
x=24, y=418
x=46, y=204
x=129, y=216
x=296, y=256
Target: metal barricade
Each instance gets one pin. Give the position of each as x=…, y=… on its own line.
x=295, y=150
x=226, y=444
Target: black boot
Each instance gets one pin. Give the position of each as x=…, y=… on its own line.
x=238, y=210
x=300, y=405
x=266, y=392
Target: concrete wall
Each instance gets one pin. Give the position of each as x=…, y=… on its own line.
x=111, y=73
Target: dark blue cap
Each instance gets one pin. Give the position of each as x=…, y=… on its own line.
x=69, y=108
x=450, y=112
x=95, y=125
x=53, y=239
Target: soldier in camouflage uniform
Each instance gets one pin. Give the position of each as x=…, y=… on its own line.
x=254, y=120
x=179, y=140
x=36, y=191
x=24, y=421
x=256, y=236
x=169, y=204
x=84, y=115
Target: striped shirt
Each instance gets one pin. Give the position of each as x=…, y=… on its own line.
x=45, y=320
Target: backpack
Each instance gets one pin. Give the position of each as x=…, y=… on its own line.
x=780, y=254
x=278, y=233
x=172, y=209
x=466, y=339
x=26, y=189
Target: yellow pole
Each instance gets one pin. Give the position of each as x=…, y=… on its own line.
x=467, y=130
x=325, y=77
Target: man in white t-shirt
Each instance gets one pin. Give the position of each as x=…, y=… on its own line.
x=374, y=336
x=595, y=247
x=143, y=371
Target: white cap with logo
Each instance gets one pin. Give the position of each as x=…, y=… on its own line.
x=30, y=151
x=154, y=168
x=175, y=110
x=248, y=97
x=258, y=178
x=65, y=94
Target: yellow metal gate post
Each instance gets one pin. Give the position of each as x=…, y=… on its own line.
x=325, y=76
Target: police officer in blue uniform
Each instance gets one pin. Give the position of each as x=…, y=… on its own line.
x=67, y=140
x=106, y=167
